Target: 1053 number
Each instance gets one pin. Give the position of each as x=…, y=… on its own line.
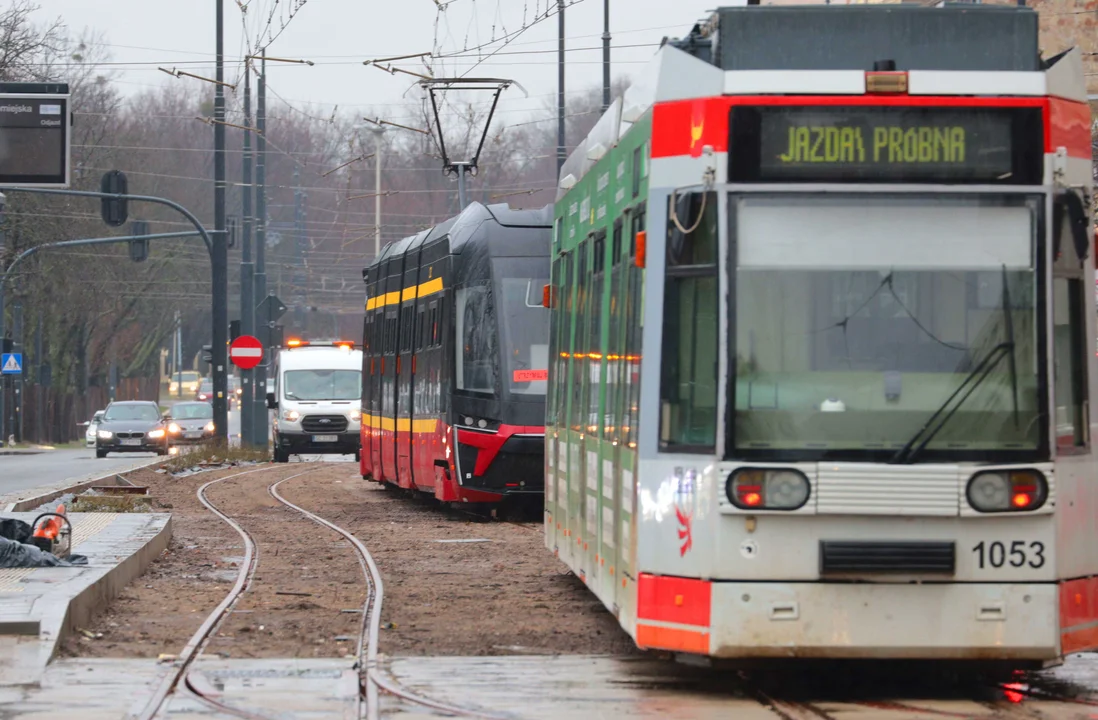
x=1017, y=554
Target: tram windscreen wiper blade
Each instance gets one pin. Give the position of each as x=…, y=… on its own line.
x=971, y=382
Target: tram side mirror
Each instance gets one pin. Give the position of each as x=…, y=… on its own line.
x=440, y=463
x=272, y=404
x=1070, y=207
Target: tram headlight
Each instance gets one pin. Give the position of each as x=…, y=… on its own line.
x=768, y=489
x=1007, y=491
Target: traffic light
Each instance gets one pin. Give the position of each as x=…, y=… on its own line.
x=139, y=249
x=234, y=330
x=114, y=210
x=7, y=345
x=208, y=354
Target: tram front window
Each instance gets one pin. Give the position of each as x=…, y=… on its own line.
x=476, y=333
x=525, y=327
x=859, y=318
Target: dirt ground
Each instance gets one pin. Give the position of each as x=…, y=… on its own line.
x=454, y=585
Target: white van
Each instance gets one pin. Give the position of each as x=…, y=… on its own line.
x=317, y=396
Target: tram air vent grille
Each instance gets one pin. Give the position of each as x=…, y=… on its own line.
x=887, y=557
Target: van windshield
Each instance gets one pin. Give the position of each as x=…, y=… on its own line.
x=322, y=385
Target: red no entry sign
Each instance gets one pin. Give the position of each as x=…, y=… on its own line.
x=246, y=352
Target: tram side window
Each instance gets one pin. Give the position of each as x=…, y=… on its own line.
x=554, y=344
x=594, y=333
x=688, y=379
x=476, y=353
x=614, y=350
x=634, y=320
x=421, y=328
x=1069, y=362
x=579, y=353
x=564, y=339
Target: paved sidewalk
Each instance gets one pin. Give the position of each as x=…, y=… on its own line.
x=39, y=607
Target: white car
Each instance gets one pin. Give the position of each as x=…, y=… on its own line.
x=92, y=427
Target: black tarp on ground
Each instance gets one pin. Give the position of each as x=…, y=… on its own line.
x=16, y=553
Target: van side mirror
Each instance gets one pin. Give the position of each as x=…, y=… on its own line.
x=272, y=403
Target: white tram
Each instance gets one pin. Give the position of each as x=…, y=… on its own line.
x=864, y=351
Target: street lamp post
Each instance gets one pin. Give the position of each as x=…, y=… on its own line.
x=378, y=131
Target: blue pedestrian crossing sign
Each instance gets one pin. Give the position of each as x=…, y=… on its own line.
x=11, y=364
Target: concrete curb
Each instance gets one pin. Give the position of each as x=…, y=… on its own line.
x=81, y=608
x=28, y=504
x=72, y=600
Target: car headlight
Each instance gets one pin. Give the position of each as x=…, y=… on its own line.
x=1007, y=491
x=174, y=429
x=104, y=434
x=291, y=415
x=156, y=434
x=210, y=427
x=768, y=489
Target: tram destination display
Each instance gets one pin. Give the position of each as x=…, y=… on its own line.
x=886, y=144
x=34, y=140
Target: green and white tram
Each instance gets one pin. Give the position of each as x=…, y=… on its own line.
x=821, y=328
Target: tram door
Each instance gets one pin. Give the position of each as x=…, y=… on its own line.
x=591, y=389
x=577, y=462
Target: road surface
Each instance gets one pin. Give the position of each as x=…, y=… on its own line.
x=54, y=468
x=50, y=468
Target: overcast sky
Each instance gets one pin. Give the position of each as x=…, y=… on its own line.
x=338, y=34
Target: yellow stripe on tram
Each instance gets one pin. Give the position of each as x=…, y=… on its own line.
x=409, y=293
x=401, y=425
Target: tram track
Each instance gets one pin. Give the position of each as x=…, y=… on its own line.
x=372, y=678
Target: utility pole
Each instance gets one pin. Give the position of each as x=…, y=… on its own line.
x=220, y=275
x=377, y=189
x=247, y=270
x=560, y=89
x=17, y=381
x=260, y=416
x=605, y=56
x=40, y=381
x=300, y=277
x=178, y=356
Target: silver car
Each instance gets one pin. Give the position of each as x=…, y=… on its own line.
x=92, y=426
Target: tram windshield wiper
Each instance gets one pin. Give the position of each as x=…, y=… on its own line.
x=909, y=452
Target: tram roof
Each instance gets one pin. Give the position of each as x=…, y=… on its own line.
x=757, y=45
x=476, y=223
x=954, y=36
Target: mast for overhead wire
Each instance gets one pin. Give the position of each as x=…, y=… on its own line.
x=606, y=56
x=561, y=155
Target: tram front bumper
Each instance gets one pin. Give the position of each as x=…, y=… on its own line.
x=948, y=621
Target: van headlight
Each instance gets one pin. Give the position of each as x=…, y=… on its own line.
x=291, y=415
x=354, y=416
